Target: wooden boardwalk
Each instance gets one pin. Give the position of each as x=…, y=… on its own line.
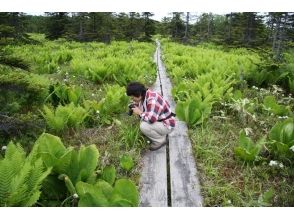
x=169, y=175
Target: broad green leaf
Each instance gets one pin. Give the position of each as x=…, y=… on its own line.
x=109, y=174
x=126, y=162
x=105, y=187
x=282, y=137
x=247, y=150
x=88, y=160
x=191, y=116
x=266, y=198
x=50, y=148
x=90, y=195
x=180, y=111
x=127, y=190
x=63, y=163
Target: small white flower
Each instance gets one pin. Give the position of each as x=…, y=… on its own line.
x=4, y=148
x=75, y=196
x=292, y=148
x=74, y=76
x=281, y=165
x=93, y=94
x=97, y=112
x=65, y=80
x=248, y=131
x=273, y=163
x=229, y=202
x=148, y=142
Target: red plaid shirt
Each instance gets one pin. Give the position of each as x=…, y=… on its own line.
x=155, y=108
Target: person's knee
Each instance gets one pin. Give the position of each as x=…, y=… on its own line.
x=144, y=127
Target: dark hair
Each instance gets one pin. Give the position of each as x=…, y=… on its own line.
x=136, y=89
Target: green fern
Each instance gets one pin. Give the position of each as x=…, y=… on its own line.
x=64, y=117
x=20, y=178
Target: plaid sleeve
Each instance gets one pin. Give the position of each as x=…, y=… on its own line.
x=152, y=112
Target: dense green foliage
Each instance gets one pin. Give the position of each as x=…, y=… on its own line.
x=238, y=145
x=60, y=94
x=20, y=177
x=282, y=137
x=237, y=103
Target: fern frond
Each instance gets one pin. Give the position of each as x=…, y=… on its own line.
x=6, y=176
x=20, y=178
x=19, y=186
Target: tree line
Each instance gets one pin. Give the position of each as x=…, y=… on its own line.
x=272, y=30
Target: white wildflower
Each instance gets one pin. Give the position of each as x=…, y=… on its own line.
x=75, y=196
x=148, y=142
x=93, y=94
x=292, y=148
x=281, y=165
x=273, y=163
x=97, y=111
x=74, y=76
x=4, y=148
x=248, y=131
x=229, y=202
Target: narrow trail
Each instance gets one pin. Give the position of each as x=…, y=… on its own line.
x=169, y=175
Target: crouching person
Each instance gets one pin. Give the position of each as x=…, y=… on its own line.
x=156, y=117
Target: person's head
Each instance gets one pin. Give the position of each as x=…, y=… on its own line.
x=137, y=91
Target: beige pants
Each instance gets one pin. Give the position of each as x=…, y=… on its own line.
x=156, y=132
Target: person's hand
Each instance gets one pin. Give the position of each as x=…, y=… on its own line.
x=137, y=111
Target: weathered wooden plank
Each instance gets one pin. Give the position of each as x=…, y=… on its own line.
x=153, y=182
x=184, y=184
x=185, y=188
